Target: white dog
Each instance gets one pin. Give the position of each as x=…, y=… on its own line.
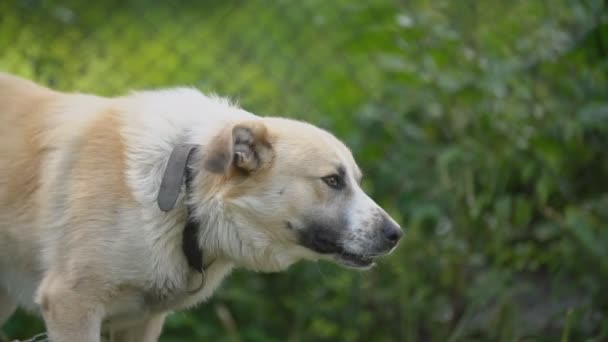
x=116, y=211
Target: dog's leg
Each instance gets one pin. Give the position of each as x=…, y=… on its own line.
x=69, y=312
x=146, y=331
x=7, y=306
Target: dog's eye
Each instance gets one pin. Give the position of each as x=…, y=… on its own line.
x=334, y=181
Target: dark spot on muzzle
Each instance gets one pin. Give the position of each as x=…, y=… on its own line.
x=321, y=238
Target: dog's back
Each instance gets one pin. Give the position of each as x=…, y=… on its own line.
x=22, y=105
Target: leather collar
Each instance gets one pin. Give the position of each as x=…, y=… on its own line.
x=179, y=171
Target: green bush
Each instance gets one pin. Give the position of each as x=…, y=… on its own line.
x=482, y=126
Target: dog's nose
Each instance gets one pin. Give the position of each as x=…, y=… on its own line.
x=391, y=231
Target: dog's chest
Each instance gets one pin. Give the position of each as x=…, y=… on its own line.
x=129, y=308
x=200, y=287
x=134, y=305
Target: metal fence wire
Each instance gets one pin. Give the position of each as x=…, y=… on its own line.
x=254, y=51
x=37, y=338
x=480, y=126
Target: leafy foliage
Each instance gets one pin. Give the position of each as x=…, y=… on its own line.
x=482, y=126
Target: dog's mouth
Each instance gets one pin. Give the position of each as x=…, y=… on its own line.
x=354, y=260
x=338, y=254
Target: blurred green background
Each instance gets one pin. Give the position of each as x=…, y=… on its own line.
x=482, y=126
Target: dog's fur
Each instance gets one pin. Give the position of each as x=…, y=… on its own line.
x=82, y=238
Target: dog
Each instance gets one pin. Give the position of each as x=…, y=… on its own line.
x=117, y=211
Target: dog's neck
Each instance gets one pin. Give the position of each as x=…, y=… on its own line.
x=216, y=234
x=207, y=225
x=190, y=239
x=207, y=262
x=208, y=233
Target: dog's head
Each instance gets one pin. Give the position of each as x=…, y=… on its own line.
x=290, y=191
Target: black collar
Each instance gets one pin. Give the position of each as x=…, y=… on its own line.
x=190, y=240
x=190, y=246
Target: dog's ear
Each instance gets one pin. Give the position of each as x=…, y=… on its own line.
x=175, y=174
x=244, y=148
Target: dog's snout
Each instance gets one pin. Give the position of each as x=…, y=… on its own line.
x=391, y=231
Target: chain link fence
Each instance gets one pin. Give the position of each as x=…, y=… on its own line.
x=481, y=126
x=273, y=56
x=304, y=59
